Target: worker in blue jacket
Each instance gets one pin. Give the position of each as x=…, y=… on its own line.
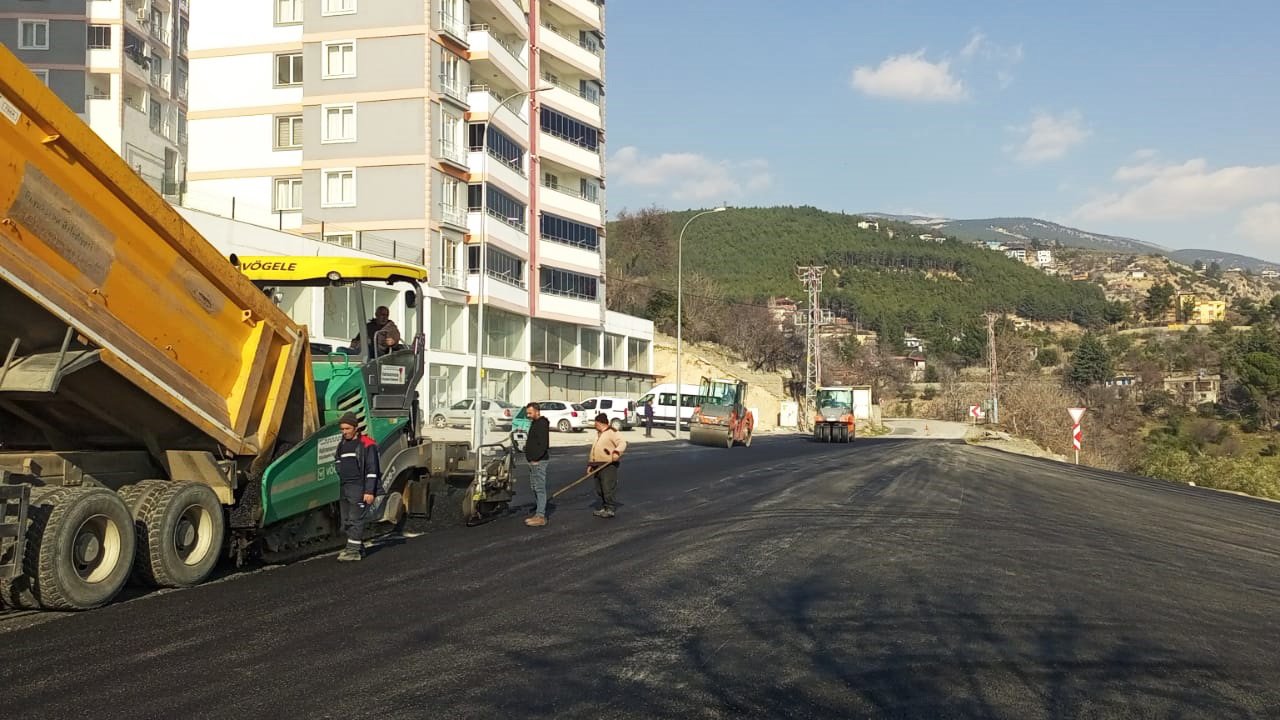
x=358, y=474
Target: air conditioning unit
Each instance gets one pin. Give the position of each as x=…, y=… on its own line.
x=143, y=15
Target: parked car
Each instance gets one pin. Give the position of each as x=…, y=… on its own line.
x=565, y=416
x=497, y=414
x=621, y=411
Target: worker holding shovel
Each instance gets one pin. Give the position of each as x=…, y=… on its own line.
x=606, y=456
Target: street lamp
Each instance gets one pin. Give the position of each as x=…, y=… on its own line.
x=477, y=414
x=680, y=314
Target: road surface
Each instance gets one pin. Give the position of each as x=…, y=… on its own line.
x=791, y=579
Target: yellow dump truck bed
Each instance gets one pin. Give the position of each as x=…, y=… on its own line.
x=120, y=326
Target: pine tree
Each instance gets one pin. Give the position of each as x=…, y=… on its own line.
x=1091, y=364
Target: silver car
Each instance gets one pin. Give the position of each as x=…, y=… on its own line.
x=497, y=414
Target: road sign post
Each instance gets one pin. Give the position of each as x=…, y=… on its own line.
x=1077, y=435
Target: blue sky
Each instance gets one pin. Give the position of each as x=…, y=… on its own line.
x=1156, y=121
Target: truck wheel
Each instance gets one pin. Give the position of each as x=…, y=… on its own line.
x=180, y=532
x=80, y=548
x=564, y=426
x=439, y=421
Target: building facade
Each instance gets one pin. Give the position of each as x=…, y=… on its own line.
x=121, y=65
x=456, y=134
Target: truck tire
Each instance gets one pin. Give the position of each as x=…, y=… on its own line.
x=180, y=533
x=80, y=547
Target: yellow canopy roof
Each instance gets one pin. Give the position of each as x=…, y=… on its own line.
x=319, y=271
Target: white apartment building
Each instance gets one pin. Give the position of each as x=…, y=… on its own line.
x=121, y=65
x=363, y=123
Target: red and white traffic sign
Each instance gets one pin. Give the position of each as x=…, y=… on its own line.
x=1077, y=435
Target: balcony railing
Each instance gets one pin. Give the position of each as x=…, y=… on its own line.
x=451, y=279
x=507, y=45
x=575, y=40
x=553, y=80
x=515, y=105
x=571, y=192
x=453, y=215
x=452, y=24
x=449, y=150
x=451, y=87
x=516, y=164
x=159, y=32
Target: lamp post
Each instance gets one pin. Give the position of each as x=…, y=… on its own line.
x=680, y=314
x=477, y=410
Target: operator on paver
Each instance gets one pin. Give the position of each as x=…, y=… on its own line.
x=606, y=454
x=358, y=474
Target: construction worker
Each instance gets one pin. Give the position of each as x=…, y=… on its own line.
x=648, y=418
x=606, y=455
x=537, y=452
x=358, y=474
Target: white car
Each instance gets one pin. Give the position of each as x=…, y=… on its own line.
x=621, y=411
x=497, y=414
x=565, y=416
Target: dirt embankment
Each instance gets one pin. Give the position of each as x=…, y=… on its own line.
x=765, y=391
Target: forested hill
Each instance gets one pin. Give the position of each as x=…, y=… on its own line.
x=885, y=282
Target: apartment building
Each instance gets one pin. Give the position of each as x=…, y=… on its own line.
x=431, y=131
x=120, y=64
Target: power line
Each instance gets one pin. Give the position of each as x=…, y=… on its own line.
x=708, y=298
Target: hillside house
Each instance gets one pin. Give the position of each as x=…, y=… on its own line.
x=865, y=225
x=1193, y=389
x=1044, y=258
x=915, y=364
x=783, y=311
x=1017, y=253
x=1271, y=274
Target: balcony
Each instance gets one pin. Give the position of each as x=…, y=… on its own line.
x=569, y=203
x=502, y=232
x=586, y=10
x=505, y=56
x=452, y=88
x=454, y=215
x=511, y=118
x=553, y=252
x=570, y=100
x=504, y=176
x=570, y=50
x=452, y=152
x=448, y=279
x=568, y=306
x=159, y=32
x=502, y=289
x=562, y=152
x=452, y=25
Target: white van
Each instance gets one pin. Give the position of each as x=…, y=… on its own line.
x=664, y=404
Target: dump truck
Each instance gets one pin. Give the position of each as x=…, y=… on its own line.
x=721, y=417
x=158, y=412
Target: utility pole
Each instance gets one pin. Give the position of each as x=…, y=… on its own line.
x=994, y=368
x=812, y=319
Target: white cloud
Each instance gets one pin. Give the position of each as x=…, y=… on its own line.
x=689, y=176
x=1261, y=226
x=910, y=77
x=1049, y=137
x=973, y=46
x=1174, y=191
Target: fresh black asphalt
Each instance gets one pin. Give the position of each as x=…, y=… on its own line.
x=884, y=579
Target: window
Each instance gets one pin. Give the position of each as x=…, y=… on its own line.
x=43, y=75
x=569, y=130
x=338, y=7
x=590, y=345
x=451, y=75
x=637, y=355
x=33, y=34
x=346, y=240
x=288, y=12
x=553, y=342
x=289, y=69
x=156, y=116
x=504, y=335
x=339, y=59
x=451, y=202
x=447, y=326
x=339, y=123
x=500, y=205
x=500, y=265
x=338, y=187
x=449, y=254
x=288, y=132
x=341, y=320
x=99, y=37
x=500, y=146
x=554, y=281
x=613, y=351
x=99, y=86
x=288, y=194
x=558, y=229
